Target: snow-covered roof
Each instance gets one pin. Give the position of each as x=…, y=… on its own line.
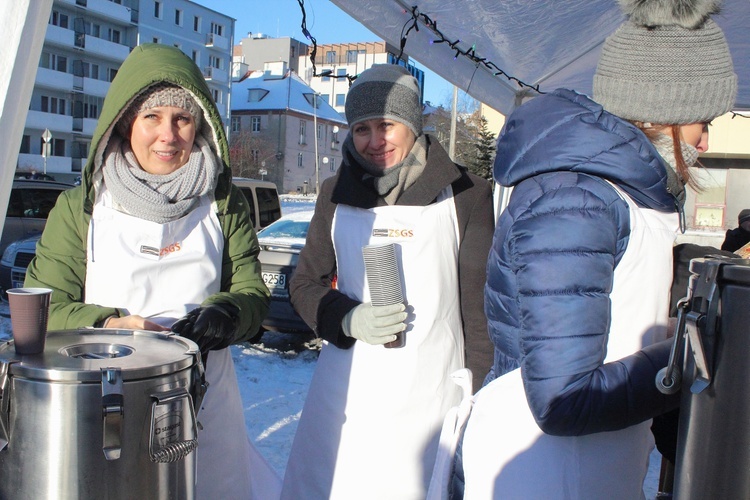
x=288, y=92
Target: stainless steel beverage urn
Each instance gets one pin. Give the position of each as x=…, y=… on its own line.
x=100, y=414
x=713, y=446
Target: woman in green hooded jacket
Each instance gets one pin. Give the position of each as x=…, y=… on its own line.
x=158, y=238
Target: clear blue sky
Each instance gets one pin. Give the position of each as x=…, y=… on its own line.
x=325, y=21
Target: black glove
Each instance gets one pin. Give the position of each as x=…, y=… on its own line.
x=212, y=327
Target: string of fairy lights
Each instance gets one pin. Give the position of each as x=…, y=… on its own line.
x=413, y=23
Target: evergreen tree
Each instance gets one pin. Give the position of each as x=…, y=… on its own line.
x=484, y=152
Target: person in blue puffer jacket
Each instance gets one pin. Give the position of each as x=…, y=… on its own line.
x=578, y=277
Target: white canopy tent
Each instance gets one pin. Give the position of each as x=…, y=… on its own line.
x=549, y=44
x=484, y=47
x=25, y=23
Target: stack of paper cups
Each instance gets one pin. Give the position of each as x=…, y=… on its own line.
x=384, y=279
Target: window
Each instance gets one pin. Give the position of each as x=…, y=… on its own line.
x=25, y=144
x=94, y=71
x=255, y=155
x=53, y=105
x=155, y=39
x=178, y=17
x=341, y=72
x=340, y=99
x=351, y=56
x=57, y=147
x=217, y=95
x=217, y=29
x=302, y=132
x=299, y=160
x=256, y=95
x=313, y=100
x=92, y=29
x=114, y=35
x=236, y=124
x=79, y=149
x=268, y=204
x=54, y=62
x=59, y=19
x=111, y=74
x=331, y=56
x=255, y=123
x=320, y=131
x=32, y=202
x=214, y=62
x=195, y=56
x=710, y=202
x=325, y=78
x=196, y=24
x=157, y=9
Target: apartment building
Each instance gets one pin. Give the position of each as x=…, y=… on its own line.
x=334, y=61
x=84, y=46
x=282, y=131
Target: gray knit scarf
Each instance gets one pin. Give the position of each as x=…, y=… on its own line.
x=159, y=198
x=393, y=181
x=675, y=183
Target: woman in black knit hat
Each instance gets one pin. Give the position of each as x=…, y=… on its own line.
x=372, y=417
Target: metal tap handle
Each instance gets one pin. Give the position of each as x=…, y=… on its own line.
x=113, y=410
x=669, y=378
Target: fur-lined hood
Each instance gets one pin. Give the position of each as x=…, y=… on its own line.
x=146, y=65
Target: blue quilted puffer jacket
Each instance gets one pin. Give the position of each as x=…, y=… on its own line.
x=564, y=220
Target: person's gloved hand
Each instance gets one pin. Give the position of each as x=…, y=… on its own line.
x=211, y=327
x=375, y=325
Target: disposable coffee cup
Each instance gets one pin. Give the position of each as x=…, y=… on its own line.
x=384, y=280
x=29, y=310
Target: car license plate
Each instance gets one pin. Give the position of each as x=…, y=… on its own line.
x=275, y=280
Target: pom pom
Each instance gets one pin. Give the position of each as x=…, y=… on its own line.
x=689, y=14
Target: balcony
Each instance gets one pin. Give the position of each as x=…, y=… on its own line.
x=56, y=123
x=51, y=79
x=56, y=35
x=217, y=42
x=103, y=9
x=35, y=162
x=105, y=49
x=215, y=75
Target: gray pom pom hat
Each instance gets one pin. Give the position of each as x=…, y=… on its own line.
x=669, y=63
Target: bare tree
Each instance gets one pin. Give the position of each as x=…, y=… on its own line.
x=247, y=151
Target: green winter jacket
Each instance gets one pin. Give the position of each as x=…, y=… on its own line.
x=60, y=262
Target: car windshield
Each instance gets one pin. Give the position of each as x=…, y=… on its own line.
x=286, y=229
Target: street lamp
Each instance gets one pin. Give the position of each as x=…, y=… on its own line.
x=315, y=132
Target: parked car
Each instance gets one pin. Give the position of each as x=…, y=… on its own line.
x=263, y=199
x=16, y=258
x=261, y=196
x=280, y=245
x=28, y=207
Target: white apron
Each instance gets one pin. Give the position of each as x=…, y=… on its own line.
x=160, y=272
x=507, y=456
x=370, y=425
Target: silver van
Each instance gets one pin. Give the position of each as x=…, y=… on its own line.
x=263, y=199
